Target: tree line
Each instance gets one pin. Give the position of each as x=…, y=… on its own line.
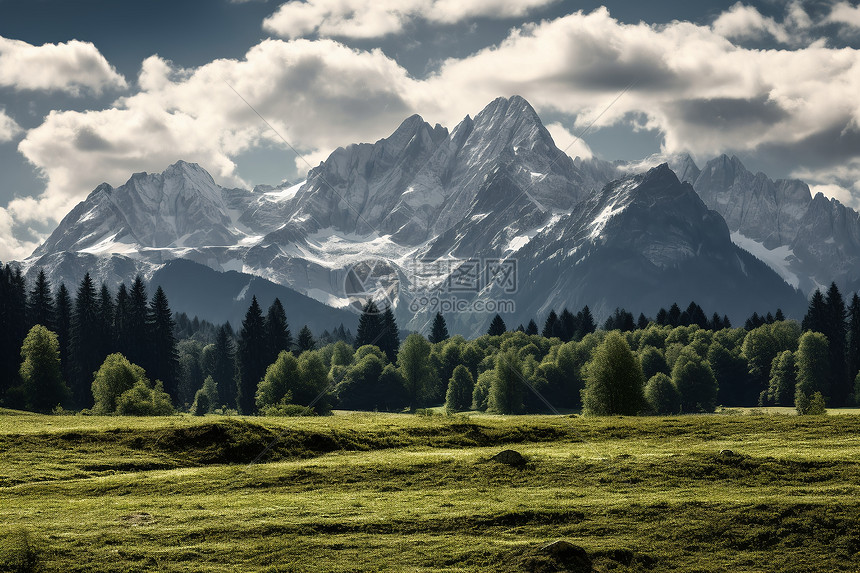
x=681, y=361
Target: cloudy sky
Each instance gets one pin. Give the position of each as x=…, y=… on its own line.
x=95, y=90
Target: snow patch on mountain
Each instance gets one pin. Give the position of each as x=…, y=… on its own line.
x=779, y=259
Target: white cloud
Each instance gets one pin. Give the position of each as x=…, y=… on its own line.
x=69, y=67
x=703, y=93
x=568, y=142
x=318, y=95
x=746, y=22
x=833, y=191
x=361, y=19
x=8, y=128
x=11, y=247
x=844, y=13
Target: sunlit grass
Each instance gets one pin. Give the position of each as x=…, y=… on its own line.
x=418, y=493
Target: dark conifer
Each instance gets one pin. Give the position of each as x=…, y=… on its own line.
x=40, y=305
x=836, y=331
x=164, y=360
x=852, y=342
x=138, y=351
x=390, y=341
x=815, y=319
x=64, y=328
x=369, y=325
x=306, y=340
x=83, y=352
x=251, y=357
x=440, y=329
x=105, y=337
x=568, y=326
x=497, y=326
x=224, y=371
x=532, y=328
x=642, y=322
x=673, y=317
x=550, y=326
x=277, y=331
x=585, y=321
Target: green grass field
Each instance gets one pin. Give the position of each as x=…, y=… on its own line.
x=365, y=492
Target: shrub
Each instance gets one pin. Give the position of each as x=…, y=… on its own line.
x=115, y=376
x=661, y=395
x=144, y=400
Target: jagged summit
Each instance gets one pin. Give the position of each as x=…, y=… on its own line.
x=495, y=186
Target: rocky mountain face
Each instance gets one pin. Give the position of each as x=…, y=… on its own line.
x=400, y=216
x=641, y=243
x=808, y=241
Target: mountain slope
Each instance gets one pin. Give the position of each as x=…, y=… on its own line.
x=809, y=241
x=644, y=242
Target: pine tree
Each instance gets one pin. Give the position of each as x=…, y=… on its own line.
x=224, y=369
x=836, y=331
x=64, y=328
x=779, y=316
x=662, y=317
x=13, y=299
x=642, y=322
x=40, y=305
x=164, y=363
x=550, y=325
x=306, y=340
x=105, y=337
x=815, y=319
x=726, y=322
x=439, y=332
x=585, y=321
x=497, y=326
x=673, y=317
x=532, y=329
x=84, y=354
x=369, y=326
x=569, y=327
x=277, y=331
x=122, y=311
x=138, y=351
x=853, y=338
x=390, y=341
x=716, y=322
x=251, y=357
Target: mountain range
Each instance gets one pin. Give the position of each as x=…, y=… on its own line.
x=490, y=211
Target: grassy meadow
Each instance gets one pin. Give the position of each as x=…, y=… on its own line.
x=369, y=492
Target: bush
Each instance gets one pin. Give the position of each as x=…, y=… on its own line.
x=813, y=406
x=144, y=400
x=115, y=376
x=19, y=552
x=206, y=398
x=661, y=395
x=287, y=410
